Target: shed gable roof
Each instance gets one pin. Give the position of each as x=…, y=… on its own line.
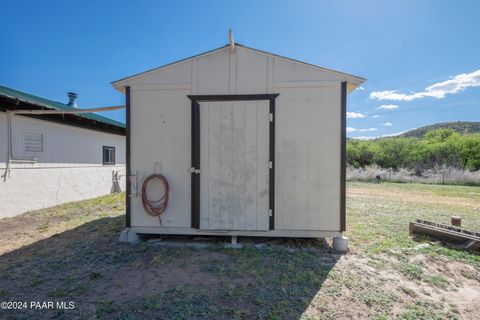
x=121, y=83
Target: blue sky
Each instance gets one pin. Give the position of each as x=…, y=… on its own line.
x=51, y=47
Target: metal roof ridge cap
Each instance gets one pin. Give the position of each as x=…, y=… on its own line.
x=30, y=94
x=103, y=119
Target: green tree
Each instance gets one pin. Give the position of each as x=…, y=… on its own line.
x=360, y=153
x=438, y=135
x=471, y=152
x=440, y=147
x=395, y=153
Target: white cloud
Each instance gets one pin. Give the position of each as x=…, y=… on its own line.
x=437, y=90
x=383, y=135
x=389, y=95
x=355, y=115
x=388, y=107
x=375, y=116
x=361, y=88
x=369, y=130
x=350, y=129
x=387, y=124
x=393, y=134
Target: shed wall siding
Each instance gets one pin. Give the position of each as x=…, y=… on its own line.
x=290, y=71
x=308, y=118
x=160, y=132
x=175, y=74
x=251, y=73
x=307, y=159
x=213, y=73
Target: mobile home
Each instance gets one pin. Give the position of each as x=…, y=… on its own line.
x=50, y=159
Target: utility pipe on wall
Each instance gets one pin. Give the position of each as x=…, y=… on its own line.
x=75, y=111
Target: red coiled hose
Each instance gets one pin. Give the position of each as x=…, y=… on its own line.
x=148, y=205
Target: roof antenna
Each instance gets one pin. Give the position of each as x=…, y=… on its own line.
x=232, y=42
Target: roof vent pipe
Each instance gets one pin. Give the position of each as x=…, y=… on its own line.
x=71, y=99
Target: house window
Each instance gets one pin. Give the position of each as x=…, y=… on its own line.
x=33, y=142
x=108, y=155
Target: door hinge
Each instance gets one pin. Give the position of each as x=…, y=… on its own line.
x=270, y=212
x=270, y=164
x=270, y=117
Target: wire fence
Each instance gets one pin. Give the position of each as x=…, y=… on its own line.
x=444, y=175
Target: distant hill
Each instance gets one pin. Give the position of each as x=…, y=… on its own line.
x=462, y=127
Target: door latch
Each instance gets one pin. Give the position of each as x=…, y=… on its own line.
x=193, y=170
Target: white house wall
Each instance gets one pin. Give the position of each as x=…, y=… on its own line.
x=308, y=133
x=63, y=145
x=69, y=168
x=33, y=189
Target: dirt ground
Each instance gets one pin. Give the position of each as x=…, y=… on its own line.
x=70, y=253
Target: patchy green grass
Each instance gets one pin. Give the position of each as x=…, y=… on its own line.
x=180, y=302
x=378, y=299
x=379, y=215
x=166, y=255
x=412, y=271
x=71, y=253
x=425, y=310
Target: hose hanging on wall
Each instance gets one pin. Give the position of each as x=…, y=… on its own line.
x=151, y=207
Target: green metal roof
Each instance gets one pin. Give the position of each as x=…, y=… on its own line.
x=50, y=104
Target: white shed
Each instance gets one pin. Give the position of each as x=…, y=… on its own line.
x=251, y=143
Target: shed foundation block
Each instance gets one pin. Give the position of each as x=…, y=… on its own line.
x=340, y=244
x=234, y=244
x=128, y=235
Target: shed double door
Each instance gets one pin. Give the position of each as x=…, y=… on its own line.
x=234, y=165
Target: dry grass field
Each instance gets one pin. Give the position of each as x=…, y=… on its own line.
x=71, y=253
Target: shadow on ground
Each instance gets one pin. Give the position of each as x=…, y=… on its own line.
x=110, y=280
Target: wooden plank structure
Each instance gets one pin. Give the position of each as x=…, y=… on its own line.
x=467, y=239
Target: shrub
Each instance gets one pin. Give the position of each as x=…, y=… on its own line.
x=437, y=149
